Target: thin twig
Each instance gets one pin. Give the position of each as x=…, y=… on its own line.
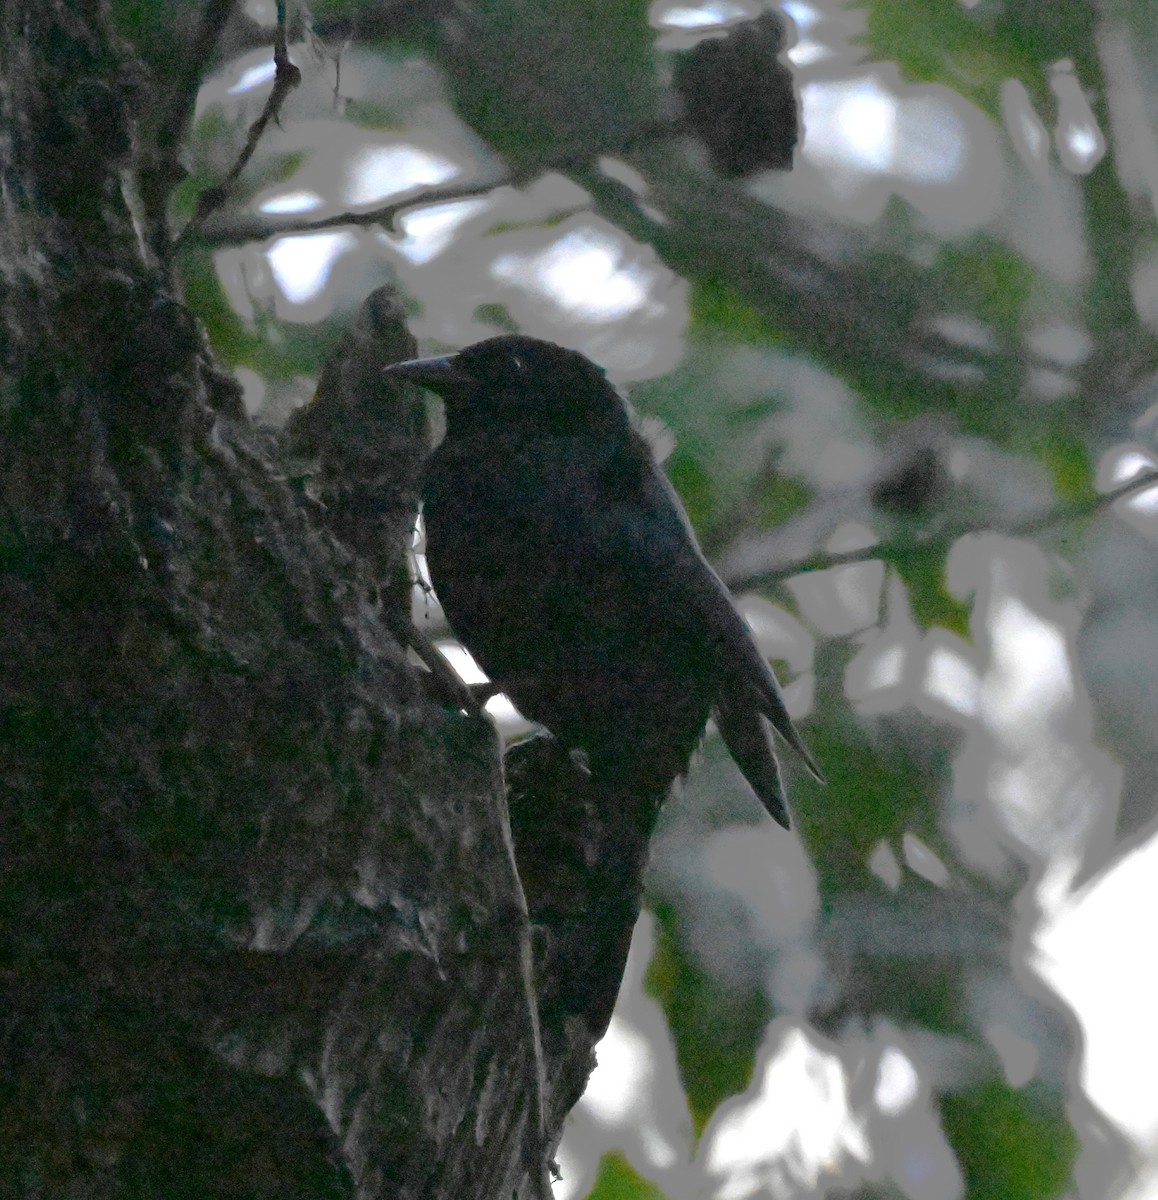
x=286, y=78
x=898, y=549
x=255, y=229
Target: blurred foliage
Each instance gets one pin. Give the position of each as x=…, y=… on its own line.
x=617, y=1181
x=1013, y=1145
x=548, y=80
x=716, y=1029
x=922, y=568
x=975, y=50
x=160, y=32
x=991, y=280
x=824, y=371
x=881, y=795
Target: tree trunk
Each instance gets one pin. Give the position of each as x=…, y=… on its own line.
x=261, y=931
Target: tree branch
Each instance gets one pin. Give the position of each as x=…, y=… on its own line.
x=287, y=77
x=896, y=550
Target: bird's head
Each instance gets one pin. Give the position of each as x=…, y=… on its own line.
x=521, y=383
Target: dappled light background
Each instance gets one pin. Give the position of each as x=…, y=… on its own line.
x=896, y=387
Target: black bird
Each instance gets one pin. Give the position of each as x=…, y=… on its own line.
x=566, y=564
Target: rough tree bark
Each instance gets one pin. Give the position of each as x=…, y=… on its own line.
x=260, y=930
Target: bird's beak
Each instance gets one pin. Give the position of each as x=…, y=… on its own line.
x=443, y=376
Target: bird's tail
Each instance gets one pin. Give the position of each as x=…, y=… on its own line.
x=743, y=731
x=748, y=679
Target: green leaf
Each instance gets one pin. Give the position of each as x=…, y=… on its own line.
x=717, y=309
x=1012, y=1145
x=779, y=500
x=231, y=338
x=1068, y=461
x=976, y=51
x=936, y=41
x=617, y=1181
x=922, y=568
x=716, y=1031
x=497, y=315
x=277, y=350
x=986, y=279
x=875, y=789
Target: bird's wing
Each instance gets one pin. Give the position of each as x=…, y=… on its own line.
x=744, y=671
